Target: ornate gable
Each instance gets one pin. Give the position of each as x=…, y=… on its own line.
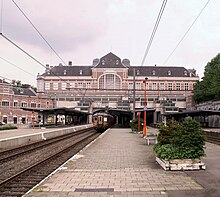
x=110, y=61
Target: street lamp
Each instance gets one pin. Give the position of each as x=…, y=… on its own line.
x=145, y=108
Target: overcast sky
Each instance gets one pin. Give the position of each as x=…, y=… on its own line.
x=81, y=30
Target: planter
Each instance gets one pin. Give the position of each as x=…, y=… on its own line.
x=181, y=164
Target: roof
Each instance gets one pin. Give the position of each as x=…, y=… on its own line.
x=161, y=71
x=24, y=91
x=3, y=81
x=60, y=111
x=194, y=113
x=110, y=61
x=69, y=71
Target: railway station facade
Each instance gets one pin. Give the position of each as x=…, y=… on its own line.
x=109, y=83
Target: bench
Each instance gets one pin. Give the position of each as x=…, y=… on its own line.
x=151, y=139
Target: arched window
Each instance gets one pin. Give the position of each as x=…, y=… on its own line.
x=109, y=81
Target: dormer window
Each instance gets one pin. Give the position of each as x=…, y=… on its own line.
x=48, y=72
x=80, y=72
x=103, y=62
x=169, y=72
x=153, y=72
x=117, y=62
x=138, y=72
x=64, y=72
x=185, y=73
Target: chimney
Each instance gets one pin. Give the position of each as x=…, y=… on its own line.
x=70, y=63
x=47, y=67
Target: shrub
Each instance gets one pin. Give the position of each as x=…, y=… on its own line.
x=134, y=125
x=7, y=127
x=180, y=140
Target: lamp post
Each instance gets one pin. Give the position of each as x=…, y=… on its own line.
x=145, y=109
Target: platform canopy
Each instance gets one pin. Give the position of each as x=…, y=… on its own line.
x=192, y=113
x=56, y=111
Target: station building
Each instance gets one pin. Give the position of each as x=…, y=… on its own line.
x=109, y=82
x=13, y=98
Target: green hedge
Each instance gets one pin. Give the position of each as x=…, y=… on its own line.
x=180, y=140
x=7, y=127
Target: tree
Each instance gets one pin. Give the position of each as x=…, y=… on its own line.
x=209, y=88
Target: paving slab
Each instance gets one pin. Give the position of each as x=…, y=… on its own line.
x=118, y=163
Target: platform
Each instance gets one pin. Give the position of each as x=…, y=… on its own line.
x=18, y=137
x=119, y=163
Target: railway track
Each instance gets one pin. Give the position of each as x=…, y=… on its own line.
x=18, y=182
x=213, y=137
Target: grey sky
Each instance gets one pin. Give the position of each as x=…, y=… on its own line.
x=83, y=30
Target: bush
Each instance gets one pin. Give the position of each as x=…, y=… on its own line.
x=180, y=140
x=7, y=127
x=134, y=125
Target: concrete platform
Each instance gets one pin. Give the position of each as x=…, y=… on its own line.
x=119, y=163
x=18, y=137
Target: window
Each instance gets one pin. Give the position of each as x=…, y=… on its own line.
x=63, y=86
x=185, y=73
x=138, y=72
x=186, y=86
x=33, y=105
x=154, y=86
x=109, y=81
x=138, y=86
x=23, y=104
x=5, y=103
x=47, y=86
x=177, y=86
x=88, y=84
x=170, y=86
x=38, y=105
x=72, y=85
x=103, y=62
x=147, y=86
x=5, y=89
x=169, y=72
x=117, y=62
x=130, y=85
x=55, y=86
x=64, y=72
x=15, y=103
x=161, y=86
x=80, y=84
x=80, y=72
x=153, y=72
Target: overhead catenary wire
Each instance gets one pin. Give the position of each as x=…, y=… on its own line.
x=154, y=30
x=13, y=43
x=39, y=32
x=16, y=66
x=184, y=35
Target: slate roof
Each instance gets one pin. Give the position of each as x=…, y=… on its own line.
x=24, y=91
x=69, y=71
x=110, y=61
x=3, y=81
x=161, y=71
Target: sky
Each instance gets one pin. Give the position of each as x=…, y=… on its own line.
x=80, y=31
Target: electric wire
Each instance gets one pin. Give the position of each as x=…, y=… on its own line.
x=154, y=30
x=186, y=32
x=16, y=66
x=38, y=32
x=13, y=43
